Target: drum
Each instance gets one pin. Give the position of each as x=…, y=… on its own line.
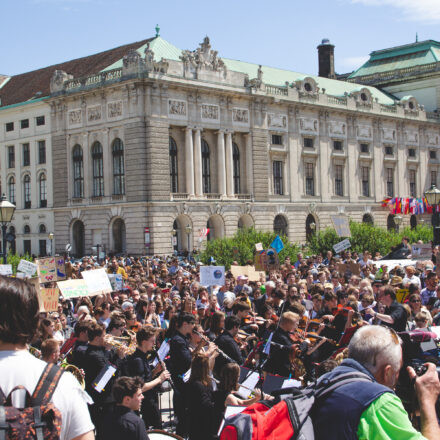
x=159, y=434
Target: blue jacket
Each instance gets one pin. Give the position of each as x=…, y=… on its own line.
x=336, y=416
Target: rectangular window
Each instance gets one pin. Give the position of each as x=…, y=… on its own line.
x=27, y=247
x=365, y=148
x=310, y=178
x=308, y=142
x=26, y=155
x=42, y=246
x=11, y=156
x=40, y=120
x=434, y=178
x=337, y=145
x=365, y=171
x=24, y=123
x=389, y=151
x=278, y=177
x=411, y=152
x=41, y=152
x=277, y=139
x=412, y=183
x=390, y=181
x=339, y=180
x=9, y=126
x=433, y=154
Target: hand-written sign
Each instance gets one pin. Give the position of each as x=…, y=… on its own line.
x=342, y=225
x=61, y=268
x=27, y=267
x=249, y=271
x=73, y=288
x=49, y=299
x=260, y=261
x=115, y=281
x=212, y=275
x=47, y=270
x=401, y=295
x=6, y=269
x=97, y=281
x=342, y=245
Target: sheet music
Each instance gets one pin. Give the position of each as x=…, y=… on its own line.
x=288, y=383
x=250, y=383
x=105, y=378
x=230, y=411
x=162, y=353
x=187, y=375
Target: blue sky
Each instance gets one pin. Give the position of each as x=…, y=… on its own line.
x=279, y=33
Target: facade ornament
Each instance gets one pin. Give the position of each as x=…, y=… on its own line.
x=132, y=63
x=255, y=83
x=58, y=79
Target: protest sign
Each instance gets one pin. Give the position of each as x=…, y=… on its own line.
x=61, y=268
x=27, y=267
x=97, y=281
x=273, y=262
x=49, y=299
x=260, y=261
x=115, y=280
x=73, y=288
x=258, y=247
x=355, y=268
x=249, y=271
x=47, y=270
x=6, y=269
x=341, y=225
x=421, y=251
x=342, y=245
x=401, y=295
x=212, y=275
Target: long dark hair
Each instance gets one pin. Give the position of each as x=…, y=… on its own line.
x=229, y=376
x=200, y=369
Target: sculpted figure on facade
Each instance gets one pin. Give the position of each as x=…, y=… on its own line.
x=177, y=107
x=114, y=109
x=240, y=115
x=58, y=79
x=210, y=112
x=75, y=117
x=132, y=62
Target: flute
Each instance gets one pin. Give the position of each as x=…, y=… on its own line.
x=164, y=367
x=204, y=338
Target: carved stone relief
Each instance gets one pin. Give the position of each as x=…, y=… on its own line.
x=411, y=137
x=240, y=115
x=337, y=128
x=203, y=58
x=177, y=108
x=276, y=120
x=210, y=112
x=388, y=134
x=308, y=125
x=94, y=113
x=75, y=117
x=114, y=109
x=364, y=131
x=432, y=138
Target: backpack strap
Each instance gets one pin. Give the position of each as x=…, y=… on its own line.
x=46, y=385
x=2, y=397
x=326, y=387
x=3, y=425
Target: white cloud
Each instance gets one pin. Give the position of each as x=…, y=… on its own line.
x=352, y=63
x=424, y=11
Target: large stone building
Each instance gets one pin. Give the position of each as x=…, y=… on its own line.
x=151, y=141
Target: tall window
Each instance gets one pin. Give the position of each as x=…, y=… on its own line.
x=11, y=189
x=433, y=178
x=412, y=183
x=27, y=191
x=26, y=155
x=98, y=170
x=365, y=171
x=11, y=156
x=78, y=172
x=339, y=180
x=174, y=176
x=206, y=168
x=118, y=167
x=390, y=181
x=236, y=166
x=278, y=177
x=42, y=189
x=41, y=152
x=310, y=178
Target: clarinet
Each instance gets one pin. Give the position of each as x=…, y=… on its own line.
x=162, y=364
x=221, y=352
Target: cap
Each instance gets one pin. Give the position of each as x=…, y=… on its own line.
x=396, y=281
x=126, y=305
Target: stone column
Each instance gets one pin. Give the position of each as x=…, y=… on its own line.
x=189, y=161
x=221, y=163
x=107, y=163
x=229, y=166
x=352, y=184
x=249, y=165
x=86, y=166
x=198, y=163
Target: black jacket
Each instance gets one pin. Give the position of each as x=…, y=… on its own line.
x=279, y=362
x=200, y=410
x=180, y=357
x=227, y=344
x=137, y=365
x=122, y=423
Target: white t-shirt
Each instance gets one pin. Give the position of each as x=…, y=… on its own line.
x=21, y=368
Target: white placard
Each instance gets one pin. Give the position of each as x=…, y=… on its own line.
x=97, y=281
x=212, y=275
x=27, y=267
x=421, y=251
x=231, y=410
x=115, y=280
x=391, y=264
x=248, y=385
x=291, y=383
x=6, y=269
x=342, y=225
x=342, y=245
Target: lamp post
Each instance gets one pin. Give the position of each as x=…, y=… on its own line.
x=433, y=198
x=7, y=210
x=173, y=240
x=188, y=231
x=51, y=236
x=398, y=221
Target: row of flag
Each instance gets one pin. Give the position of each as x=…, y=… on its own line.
x=408, y=205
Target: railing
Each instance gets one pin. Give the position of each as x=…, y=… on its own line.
x=179, y=196
x=77, y=200
x=275, y=90
x=91, y=80
x=117, y=196
x=212, y=196
x=433, y=115
x=388, y=108
x=338, y=100
x=243, y=196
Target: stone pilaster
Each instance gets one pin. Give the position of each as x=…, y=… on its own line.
x=229, y=165
x=198, y=162
x=221, y=163
x=260, y=164
x=189, y=161
x=59, y=170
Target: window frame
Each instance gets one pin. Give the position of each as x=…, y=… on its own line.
x=236, y=168
x=41, y=152
x=173, y=164
x=24, y=123
x=97, y=169
x=339, y=180
x=42, y=190
x=278, y=178
x=206, y=167
x=38, y=119
x=26, y=152
x=365, y=181
x=27, y=192
x=310, y=189
x=118, y=167
x=11, y=156
x=78, y=172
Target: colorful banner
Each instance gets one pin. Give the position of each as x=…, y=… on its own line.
x=47, y=270
x=73, y=288
x=408, y=205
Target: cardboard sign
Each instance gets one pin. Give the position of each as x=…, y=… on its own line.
x=97, y=281
x=47, y=269
x=115, y=280
x=258, y=247
x=342, y=245
x=27, y=267
x=273, y=262
x=49, y=299
x=6, y=269
x=73, y=288
x=249, y=271
x=61, y=268
x=260, y=261
x=341, y=225
x=401, y=295
x=212, y=275
x=350, y=268
x=421, y=251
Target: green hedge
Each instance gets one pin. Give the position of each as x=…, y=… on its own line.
x=14, y=259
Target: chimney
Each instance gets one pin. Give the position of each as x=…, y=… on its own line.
x=326, y=59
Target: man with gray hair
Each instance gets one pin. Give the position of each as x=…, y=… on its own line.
x=366, y=407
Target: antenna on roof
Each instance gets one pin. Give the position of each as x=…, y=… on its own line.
x=157, y=30
x=417, y=37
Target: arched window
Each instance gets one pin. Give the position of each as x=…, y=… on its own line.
x=310, y=226
x=236, y=166
x=173, y=166
x=27, y=191
x=367, y=218
x=391, y=224
x=280, y=225
x=413, y=222
x=118, y=167
x=11, y=238
x=98, y=170
x=78, y=172
x=26, y=229
x=206, y=168
x=11, y=189
x=42, y=229
x=42, y=189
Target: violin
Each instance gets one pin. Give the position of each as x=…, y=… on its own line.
x=341, y=310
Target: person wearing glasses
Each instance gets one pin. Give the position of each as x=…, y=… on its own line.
x=367, y=407
x=415, y=304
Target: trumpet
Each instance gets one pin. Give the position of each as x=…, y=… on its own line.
x=128, y=343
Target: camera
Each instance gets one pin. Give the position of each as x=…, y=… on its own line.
x=420, y=368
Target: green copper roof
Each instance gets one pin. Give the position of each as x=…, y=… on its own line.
x=271, y=75
x=400, y=57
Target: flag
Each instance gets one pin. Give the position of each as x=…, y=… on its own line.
x=203, y=232
x=277, y=244
x=413, y=206
x=266, y=349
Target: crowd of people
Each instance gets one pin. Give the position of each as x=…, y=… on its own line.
x=308, y=318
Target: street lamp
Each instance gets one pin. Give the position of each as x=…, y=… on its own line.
x=51, y=236
x=312, y=226
x=173, y=239
x=188, y=231
x=7, y=210
x=398, y=221
x=433, y=198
